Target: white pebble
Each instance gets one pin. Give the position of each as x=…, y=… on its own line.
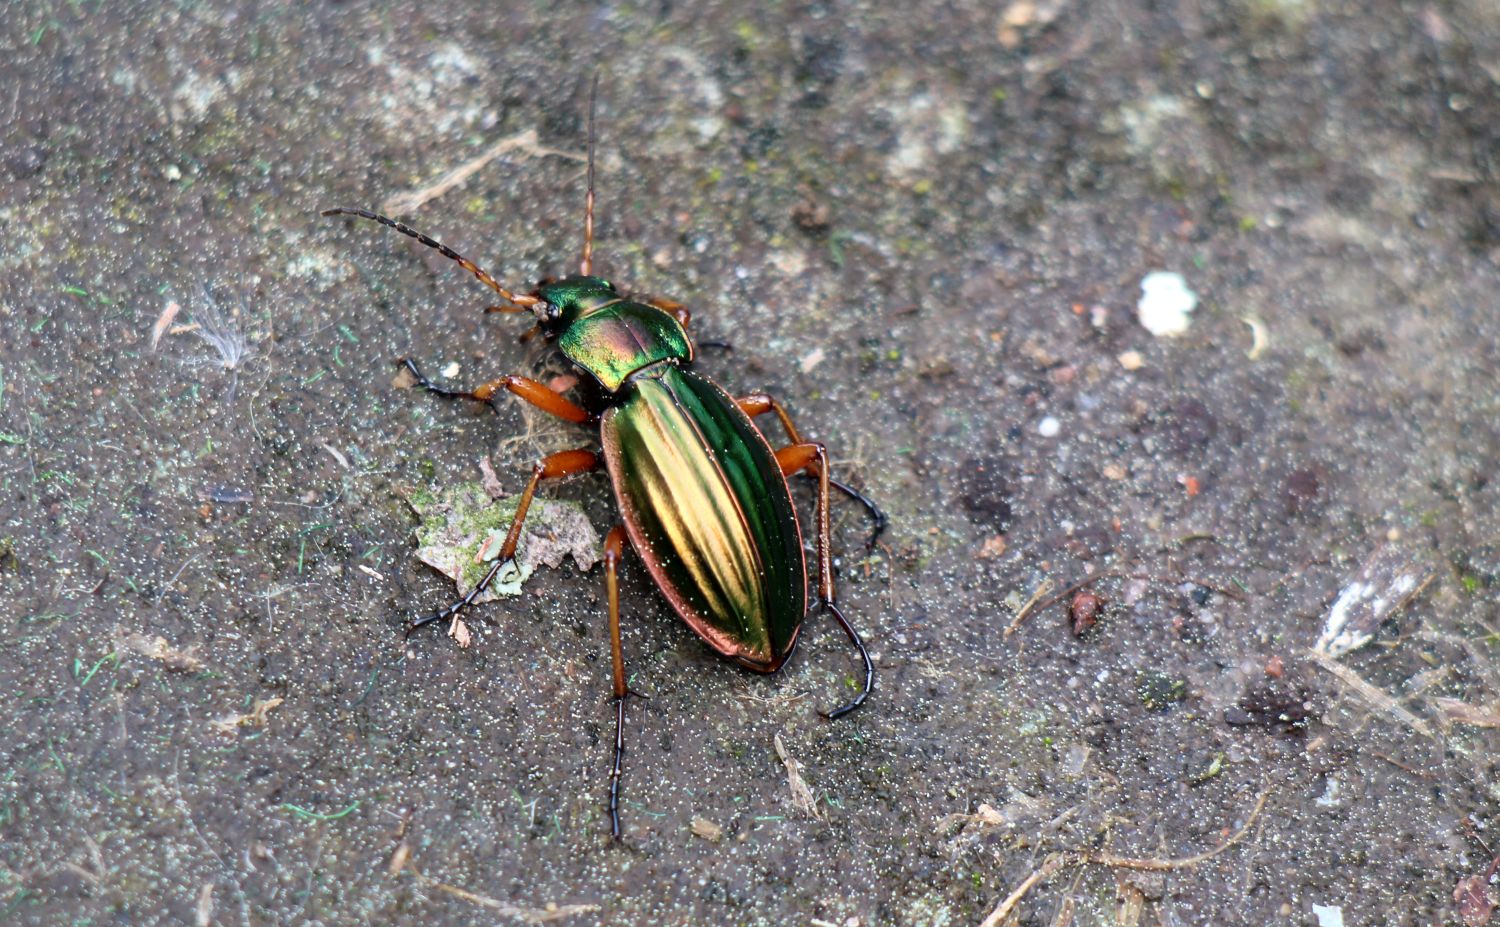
x=1328, y=915
x=1165, y=303
x=1048, y=427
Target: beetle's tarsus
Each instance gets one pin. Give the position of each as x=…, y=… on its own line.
x=864, y=654
x=462, y=603
x=721, y=345
x=876, y=514
x=614, y=775
x=431, y=387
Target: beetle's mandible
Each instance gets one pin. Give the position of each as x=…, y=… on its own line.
x=702, y=495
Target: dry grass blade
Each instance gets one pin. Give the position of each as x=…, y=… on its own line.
x=163, y=322
x=1457, y=711
x=526, y=142
x=1371, y=693
x=1041, y=590
x=802, y=796
x=257, y=716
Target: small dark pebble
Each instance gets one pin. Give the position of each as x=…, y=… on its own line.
x=1189, y=426
x=811, y=214
x=987, y=494
x=1299, y=491
x=1201, y=594
x=1278, y=705
x=25, y=160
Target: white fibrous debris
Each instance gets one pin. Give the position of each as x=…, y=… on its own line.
x=1165, y=303
x=1386, y=581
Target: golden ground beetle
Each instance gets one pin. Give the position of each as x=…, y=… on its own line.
x=702, y=495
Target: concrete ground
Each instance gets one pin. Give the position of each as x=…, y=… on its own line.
x=924, y=226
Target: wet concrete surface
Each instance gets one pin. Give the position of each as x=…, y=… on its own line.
x=924, y=227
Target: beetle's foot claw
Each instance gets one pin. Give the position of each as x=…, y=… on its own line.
x=414, y=624
x=509, y=571
x=638, y=694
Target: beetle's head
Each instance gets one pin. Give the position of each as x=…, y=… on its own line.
x=563, y=302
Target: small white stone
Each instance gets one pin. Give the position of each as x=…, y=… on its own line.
x=451, y=370
x=1165, y=303
x=1328, y=915
x=1048, y=427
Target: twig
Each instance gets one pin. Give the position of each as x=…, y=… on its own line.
x=524, y=141
x=1041, y=590
x=1167, y=865
x=1370, y=693
x=1041, y=874
x=1086, y=581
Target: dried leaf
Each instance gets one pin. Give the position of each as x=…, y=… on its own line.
x=183, y=661
x=707, y=829
x=1475, y=905
x=463, y=530
x=163, y=322
x=257, y=716
x=488, y=478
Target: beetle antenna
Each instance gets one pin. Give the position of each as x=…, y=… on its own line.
x=586, y=267
x=521, y=303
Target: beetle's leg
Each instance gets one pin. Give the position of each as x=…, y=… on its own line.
x=813, y=458
x=676, y=309
x=761, y=403
x=553, y=466
x=537, y=394
x=614, y=546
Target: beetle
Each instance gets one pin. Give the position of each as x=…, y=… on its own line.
x=702, y=495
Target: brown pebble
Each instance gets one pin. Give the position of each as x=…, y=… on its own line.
x=1084, y=611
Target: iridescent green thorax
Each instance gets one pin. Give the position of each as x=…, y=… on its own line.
x=576, y=296
x=611, y=337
